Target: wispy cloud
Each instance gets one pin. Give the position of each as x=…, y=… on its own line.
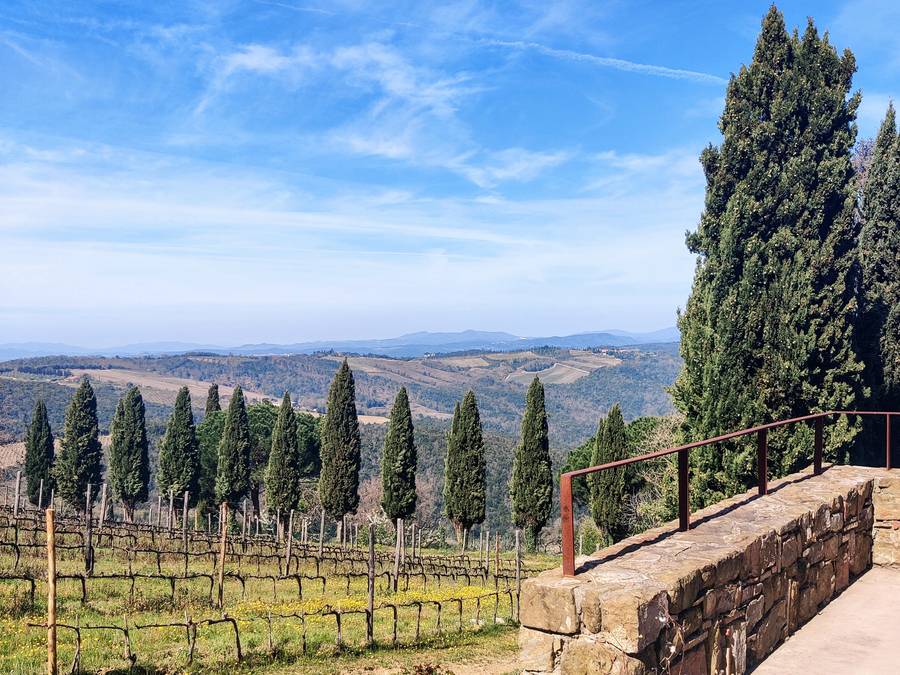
x=610, y=62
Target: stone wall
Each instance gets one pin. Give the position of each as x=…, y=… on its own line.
x=720, y=597
x=886, y=498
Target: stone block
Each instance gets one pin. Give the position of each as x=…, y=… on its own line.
x=770, y=632
x=728, y=568
x=692, y=663
x=548, y=604
x=633, y=618
x=589, y=607
x=790, y=551
x=754, y=612
x=769, y=551
x=831, y=547
x=538, y=650
x=591, y=656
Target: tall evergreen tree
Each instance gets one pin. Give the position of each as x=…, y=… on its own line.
x=879, y=253
x=768, y=331
x=531, y=488
x=179, y=453
x=80, y=459
x=309, y=440
x=129, y=461
x=209, y=436
x=262, y=417
x=339, y=476
x=464, y=471
x=39, y=454
x=398, y=462
x=283, y=469
x=212, y=399
x=233, y=464
x=608, y=487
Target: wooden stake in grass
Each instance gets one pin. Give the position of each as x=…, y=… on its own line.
x=88, y=531
x=496, y=560
x=290, y=542
x=370, y=615
x=398, y=531
x=41, y=495
x=321, y=531
x=18, y=488
x=51, y=592
x=184, y=530
x=223, y=525
x=518, y=573
x=158, y=510
x=102, y=504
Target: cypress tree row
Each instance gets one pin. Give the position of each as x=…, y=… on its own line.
x=339, y=476
x=531, y=488
x=768, y=330
x=233, y=462
x=879, y=253
x=80, y=458
x=283, y=470
x=464, y=472
x=129, y=463
x=608, y=487
x=39, y=454
x=179, y=454
x=398, y=462
x=212, y=399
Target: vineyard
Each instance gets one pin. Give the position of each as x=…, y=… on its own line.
x=177, y=595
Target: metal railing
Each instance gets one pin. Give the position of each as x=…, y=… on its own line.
x=684, y=515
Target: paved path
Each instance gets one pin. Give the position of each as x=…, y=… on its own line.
x=858, y=632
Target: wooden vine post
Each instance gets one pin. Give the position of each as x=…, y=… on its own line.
x=397, y=534
x=223, y=525
x=184, y=529
x=102, y=505
x=51, y=592
x=88, y=530
x=18, y=489
x=290, y=542
x=321, y=531
x=370, y=616
x=518, y=573
x=41, y=495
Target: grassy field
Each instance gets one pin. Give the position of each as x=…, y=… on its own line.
x=267, y=610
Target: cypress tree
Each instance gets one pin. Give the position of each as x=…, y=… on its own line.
x=531, y=488
x=309, y=440
x=179, y=453
x=80, y=459
x=212, y=399
x=879, y=253
x=768, y=330
x=464, y=473
x=339, y=477
x=129, y=463
x=398, y=462
x=283, y=469
x=39, y=454
x=233, y=463
x=608, y=487
x=209, y=435
x=262, y=417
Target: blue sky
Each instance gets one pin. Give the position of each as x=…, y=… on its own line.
x=278, y=170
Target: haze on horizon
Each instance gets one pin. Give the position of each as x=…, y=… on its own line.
x=257, y=171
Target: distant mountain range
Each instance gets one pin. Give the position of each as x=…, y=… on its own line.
x=409, y=345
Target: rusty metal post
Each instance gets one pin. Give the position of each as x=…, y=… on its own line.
x=817, y=457
x=762, y=460
x=684, y=505
x=568, y=525
x=887, y=440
